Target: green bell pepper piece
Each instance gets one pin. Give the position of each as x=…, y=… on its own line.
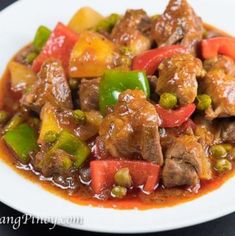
x=41, y=37
x=114, y=82
x=108, y=23
x=22, y=140
x=73, y=146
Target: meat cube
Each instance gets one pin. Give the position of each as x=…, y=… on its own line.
x=132, y=128
x=89, y=94
x=132, y=31
x=185, y=163
x=51, y=86
x=178, y=75
x=221, y=62
x=219, y=83
x=178, y=24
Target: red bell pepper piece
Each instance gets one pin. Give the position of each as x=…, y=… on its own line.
x=143, y=173
x=219, y=45
x=175, y=118
x=58, y=46
x=151, y=59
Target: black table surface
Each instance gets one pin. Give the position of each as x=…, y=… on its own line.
x=224, y=226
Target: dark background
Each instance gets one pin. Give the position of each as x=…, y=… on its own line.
x=222, y=227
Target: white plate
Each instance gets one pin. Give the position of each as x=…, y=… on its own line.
x=18, y=24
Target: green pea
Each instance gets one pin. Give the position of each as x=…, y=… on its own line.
x=50, y=136
x=3, y=117
x=123, y=177
x=218, y=151
x=168, y=100
x=223, y=165
x=79, y=116
x=204, y=102
x=118, y=192
x=126, y=51
x=73, y=83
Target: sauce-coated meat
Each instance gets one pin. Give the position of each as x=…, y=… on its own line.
x=89, y=94
x=219, y=83
x=185, y=162
x=131, y=31
x=178, y=75
x=51, y=86
x=178, y=24
x=132, y=128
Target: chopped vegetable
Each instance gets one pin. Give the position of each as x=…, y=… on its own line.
x=114, y=82
x=204, y=102
x=218, y=45
x=108, y=23
x=223, y=165
x=168, y=100
x=79, y=116
x=142, y=173
x=3, y=117
x=175, y=118
x=14, y=122
x=73, y=146
x=151, y=59
x=22, y=76
x=58, y=46
x=85, y=18
x=92, y=55
x=22, y=140
x=49, y=122
x=50, y=136
x=123, y=177
x=41, y=37
x=118, y=192
x=218, y=151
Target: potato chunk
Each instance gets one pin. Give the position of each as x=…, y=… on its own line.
x=92, y=55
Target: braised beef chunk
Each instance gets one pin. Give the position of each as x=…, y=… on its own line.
x=178, y=24
x=177, y=172
x=132, y=31
x=219, y=83
x=51, y=86
x=221, y=62
x=185, y=163
x=228, y=132
x=89, y=94
x=178, y=75
x=132, y=128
